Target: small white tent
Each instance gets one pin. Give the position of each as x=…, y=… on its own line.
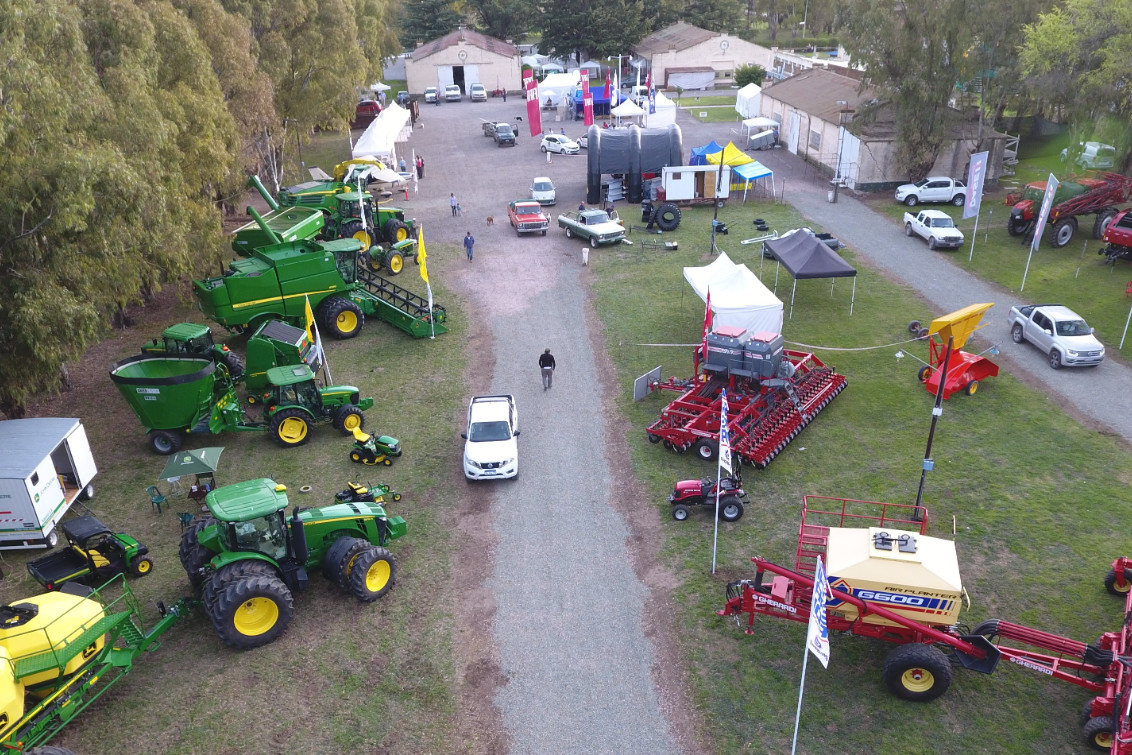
x=738, y=297
x=748, y=100
x=556, y=86
x=752, y=126
x=627, y=109
x=665, y=114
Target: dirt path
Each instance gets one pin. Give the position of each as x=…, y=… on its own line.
x=565, y=637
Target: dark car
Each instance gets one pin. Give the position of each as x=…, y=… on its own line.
x=403, y=98
x=365, y=112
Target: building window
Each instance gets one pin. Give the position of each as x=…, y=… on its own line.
x=724, y=74
x=815, y=140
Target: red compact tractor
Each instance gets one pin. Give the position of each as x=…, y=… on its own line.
x=772, y=393
x=963, y=370
x=892, y=582
x=688, y=493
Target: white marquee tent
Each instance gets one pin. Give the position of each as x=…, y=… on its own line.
x=557, y=86
x=738, y=297
x=748, y=100
x=380, y=137
x=665, y=114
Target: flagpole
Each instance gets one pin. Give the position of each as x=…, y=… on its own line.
x=724, y=457
x=801, y=691
x=715, y=538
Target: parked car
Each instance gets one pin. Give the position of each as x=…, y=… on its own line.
x=584, y=141
x=563, y=145
x=452, y=93
x=431, y=95
x=1093, y=156
x=1059, y=331
x=478, y=93
x=526, y=216
x=933, y=189
x=542, y=190
x=491, y=448
x=935, y=227
x=364, y=113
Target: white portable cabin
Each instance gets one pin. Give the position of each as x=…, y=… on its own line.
x=692, y=183
x=45, y=465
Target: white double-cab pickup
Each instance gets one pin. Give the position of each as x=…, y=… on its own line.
x=935, y=227
x=1060, y=332
x=45, y=465
x=594, y=226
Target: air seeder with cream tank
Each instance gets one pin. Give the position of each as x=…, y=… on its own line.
x=893, y=582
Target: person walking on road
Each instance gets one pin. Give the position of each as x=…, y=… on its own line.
x=546, y=366
x=420, y=167
x=469, y=242
x=402, y=165
x=452, y=203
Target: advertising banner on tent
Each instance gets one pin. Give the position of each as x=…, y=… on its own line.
x=975, y=175
x=533, y=115
x=587, y=102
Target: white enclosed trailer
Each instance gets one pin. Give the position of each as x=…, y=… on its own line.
x=45, y=465
x=695, y=184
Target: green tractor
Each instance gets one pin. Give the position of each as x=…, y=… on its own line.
x=343, y=204
x=248, y=556
x=191, y=340
x=293, y=402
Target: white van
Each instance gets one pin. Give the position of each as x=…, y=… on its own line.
x=1094, y=156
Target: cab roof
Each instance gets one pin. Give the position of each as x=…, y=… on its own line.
x=290, y=375
x=185, y=331
x=247, y=500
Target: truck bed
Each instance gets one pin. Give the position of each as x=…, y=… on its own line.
x=57, y=566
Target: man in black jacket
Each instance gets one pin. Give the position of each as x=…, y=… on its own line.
x=546, y=365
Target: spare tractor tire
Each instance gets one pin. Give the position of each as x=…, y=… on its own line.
x=667, y=217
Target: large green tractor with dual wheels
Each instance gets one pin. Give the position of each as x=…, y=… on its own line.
x=248, y=557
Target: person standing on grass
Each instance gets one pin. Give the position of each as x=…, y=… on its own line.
x=546, y=367
x=469, y=242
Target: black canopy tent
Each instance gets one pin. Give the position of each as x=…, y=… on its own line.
x=806, y=256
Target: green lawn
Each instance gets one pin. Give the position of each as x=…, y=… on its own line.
x=1034, y=540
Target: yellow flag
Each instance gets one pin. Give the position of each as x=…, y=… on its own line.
x=421, y=255
x=309, y=319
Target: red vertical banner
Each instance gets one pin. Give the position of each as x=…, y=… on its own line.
x=533, y=115
x=587, y=102
x=606, y=95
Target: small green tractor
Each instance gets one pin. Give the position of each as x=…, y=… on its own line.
x=293, y=402
x=191, y=340
x=248, y=556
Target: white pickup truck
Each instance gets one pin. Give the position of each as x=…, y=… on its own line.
x=933, y=189
x=1058, y=331
x=935, y=227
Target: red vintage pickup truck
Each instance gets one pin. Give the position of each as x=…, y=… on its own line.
x=526, y=216
x=1118, y=238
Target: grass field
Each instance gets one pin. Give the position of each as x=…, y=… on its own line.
x=1034, y=538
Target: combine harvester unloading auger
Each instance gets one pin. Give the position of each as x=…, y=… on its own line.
x=772, y=393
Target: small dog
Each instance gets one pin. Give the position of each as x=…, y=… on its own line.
x=491, y=220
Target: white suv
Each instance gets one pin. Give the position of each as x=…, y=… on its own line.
x=542, y=190
x=478, y=93
x=491, y=450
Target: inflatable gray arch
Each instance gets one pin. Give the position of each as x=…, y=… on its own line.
x=630, y=152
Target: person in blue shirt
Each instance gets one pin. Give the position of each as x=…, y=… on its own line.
x=469, y=242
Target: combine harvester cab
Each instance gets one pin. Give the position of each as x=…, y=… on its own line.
x=772, y=393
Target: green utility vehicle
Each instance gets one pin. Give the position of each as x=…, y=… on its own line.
x=174, y=397
x=343, y=205
x=190, y=339
x=276, y=281
x=248, y=557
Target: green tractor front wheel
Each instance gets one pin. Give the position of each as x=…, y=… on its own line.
x=253, y=612
x=339, y=557
x=395, y=262
x=291, y=427
x=396, y=231
x=194, y=556
x=372, y=573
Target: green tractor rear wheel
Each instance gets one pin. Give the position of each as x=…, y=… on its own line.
x=348, y=418
x=339, y=557
x=195, y=556
x=354, y=229
x=253, y=611
x=340, y=317
x=396, y=231
x=291, y=427
x=395, y=262
x=372, y=573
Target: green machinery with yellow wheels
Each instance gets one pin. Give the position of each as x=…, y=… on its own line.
x=248, y=557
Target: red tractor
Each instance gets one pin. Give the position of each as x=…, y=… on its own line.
x=702, y=492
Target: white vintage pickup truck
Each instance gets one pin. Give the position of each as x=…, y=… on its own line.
x=935, y=227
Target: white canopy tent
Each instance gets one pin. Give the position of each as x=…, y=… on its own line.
x=380, y=87
x=752, y=126
x=627, y=109
x=556, y=87
x=748, y=101
x=380, y=137
x=738, y=297
x=665, y=114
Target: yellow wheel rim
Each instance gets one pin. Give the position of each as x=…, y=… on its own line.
x=917, y=680
x=401, y=234
x=293, y=429
x=255, y=616
x=352, y=421
x=347, y=322
x=378, y=576
x=396, y=263
x=1118, y=588
x=356, y=456
x=364, y=237
x=973, y=388
x=1103, y=739
x=143, y=567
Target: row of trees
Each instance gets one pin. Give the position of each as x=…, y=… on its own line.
x=124, y=124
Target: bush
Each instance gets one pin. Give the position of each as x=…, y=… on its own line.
x=749, y=74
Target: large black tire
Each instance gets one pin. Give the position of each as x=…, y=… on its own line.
x=680, y=512
x=347, y=418
x=1098, y=733
x=1062, y=232
x=1018, y=228
x=140, y=566
x=232, y=572
x=252, y=612
x=917, y=672
x=372, y=574
x=195, y=556
x=730, y=508
x=1115, y=589
x=355, y=229
x=340, y=317
x=290, y=428
x=1017, y=334
x=396, y=231
x=667, y=217
x=340, y=557
x=165, y=442
x=1100, y=225
x=706, y=449
x=234, y=364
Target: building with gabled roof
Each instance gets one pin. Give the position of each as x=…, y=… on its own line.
x=686, y=56
x=464, y=57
